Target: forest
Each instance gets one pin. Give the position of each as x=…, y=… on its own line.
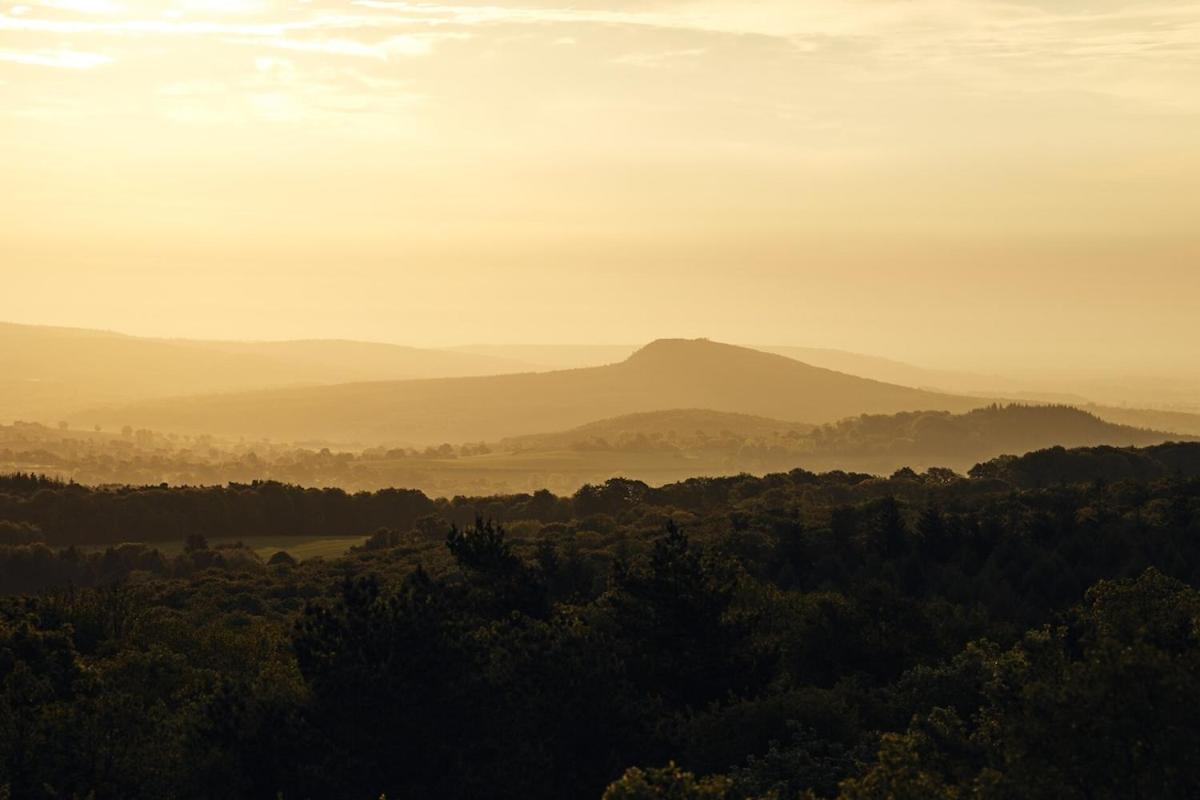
x=599, y=400
x=1029, y=630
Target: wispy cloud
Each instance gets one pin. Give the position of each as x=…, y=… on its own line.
x=410, y=45
x=795, y=63
x=60, y=59
x=82, y=6
x=660, y=58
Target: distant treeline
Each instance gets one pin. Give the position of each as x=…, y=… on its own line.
x=659, y=446
x=1058, y=465
x=67, y=513
x=1013, y=428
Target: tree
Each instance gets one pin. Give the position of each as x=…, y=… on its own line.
x=667, y=783
x=497, y=582
x=195, y=543
x=934, y=760
x=676, y=630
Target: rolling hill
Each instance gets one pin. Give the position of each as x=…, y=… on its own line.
x=47, y=372
x=1166, y=401
x=976, y=435
x=866, y=366
x=682, y=427
x=666, y=374
x=656, y=447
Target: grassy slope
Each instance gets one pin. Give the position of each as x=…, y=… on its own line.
x=299, y=547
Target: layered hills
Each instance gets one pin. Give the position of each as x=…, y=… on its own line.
x=656, y=447
x=48, y=372
x=666, y=374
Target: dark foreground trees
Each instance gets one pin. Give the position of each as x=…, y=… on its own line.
x=786, y=637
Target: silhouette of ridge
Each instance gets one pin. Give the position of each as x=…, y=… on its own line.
x=665, y=374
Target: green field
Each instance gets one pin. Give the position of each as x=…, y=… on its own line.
x=300, y=547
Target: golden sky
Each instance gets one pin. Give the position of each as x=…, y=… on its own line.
x=948, y=181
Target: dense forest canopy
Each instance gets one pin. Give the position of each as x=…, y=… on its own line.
x=1026, y=631
x=70, y=513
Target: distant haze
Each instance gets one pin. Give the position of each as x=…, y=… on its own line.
x=50, y=374
x=665, y=374
x=976, y=184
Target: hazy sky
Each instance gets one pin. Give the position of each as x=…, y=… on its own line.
x=938, y=180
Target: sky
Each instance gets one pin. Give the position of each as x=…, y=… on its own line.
x=952, y=182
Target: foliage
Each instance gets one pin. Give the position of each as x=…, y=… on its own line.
x=666, y=783
x=792, y=636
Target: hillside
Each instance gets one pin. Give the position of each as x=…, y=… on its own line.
x=955, y=440
x=920, y=434
x=677, y=428
x=865, y=366
x=662, y=446
x=1118, y=396
x=655, y=447
x=666, y=374
x=47, y=373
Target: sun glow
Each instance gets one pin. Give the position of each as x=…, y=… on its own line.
x=859, y=150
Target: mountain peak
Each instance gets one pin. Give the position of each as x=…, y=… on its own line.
x=684, y=349
x=706, y=357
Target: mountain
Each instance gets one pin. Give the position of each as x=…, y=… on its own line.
x=48, y=372
x=666, y=374
x=570, y=356
x=111, y=379
x=1177, y=392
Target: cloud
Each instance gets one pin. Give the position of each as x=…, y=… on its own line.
x=82, y=6
x=805, y=63
x=410, y=45
x=198, y=88
x=660, y=58
x=60, y=59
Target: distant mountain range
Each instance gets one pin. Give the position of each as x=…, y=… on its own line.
x=47, y=373
x=1175, y=392
x=369, y=393
x=669, y=373
x=865, y=366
